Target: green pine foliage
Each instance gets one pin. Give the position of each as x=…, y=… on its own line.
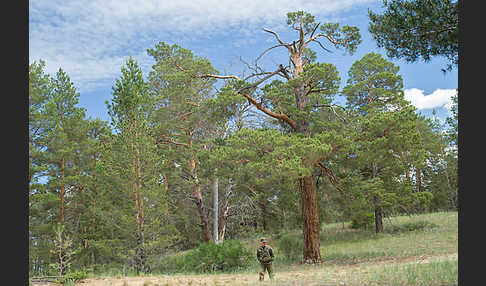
x=418, y=29
x=134, y=195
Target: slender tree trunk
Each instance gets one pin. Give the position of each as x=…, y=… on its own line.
x=283, y=219
x=166, y=184
x=370, y=92
x=215, y=209
x=141, y=199
x=135, y=198
x=137, y=219
x=378, y=219
x=138, y=202
x=63, y=190
x=222, y=227
x=263, y=206
x=446, y=173
x=418, y=179
x=223, y=215
x=378, y=209
x=205, y=227
x=94, y=250
x=93, y=190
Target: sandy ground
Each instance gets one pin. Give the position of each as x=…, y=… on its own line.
x=292, y=277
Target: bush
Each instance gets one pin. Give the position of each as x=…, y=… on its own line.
x=362, y=220
x=209, y=257
x=72, y=277
x=291, y=246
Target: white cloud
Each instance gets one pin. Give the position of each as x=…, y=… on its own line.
x=438, y=98
x=91, y=39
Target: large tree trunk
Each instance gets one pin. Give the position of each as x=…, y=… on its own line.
x=308, y=189
x=310, y=220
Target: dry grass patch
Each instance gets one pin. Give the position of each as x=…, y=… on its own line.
x=424, y=256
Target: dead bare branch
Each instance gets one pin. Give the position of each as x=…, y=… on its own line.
x=322, y=46
x=329, y=38
x=284, y=72
x=218, y=76
x=264, y=52
x=282, y=116
x=295, y=48
x=277, y=37
x=255, y=84
x=331, y=106
x=255, y=69
x=314, y=30
x=331, y=177
x=258, y=74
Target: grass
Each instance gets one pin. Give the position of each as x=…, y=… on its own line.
x=412, y=250
x=433, y=273
x=438, y=235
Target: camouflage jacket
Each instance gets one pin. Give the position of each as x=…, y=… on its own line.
x=265, y=254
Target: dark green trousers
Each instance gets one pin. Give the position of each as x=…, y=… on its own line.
x=266, y=267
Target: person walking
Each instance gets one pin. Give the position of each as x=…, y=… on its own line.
x=265, y=256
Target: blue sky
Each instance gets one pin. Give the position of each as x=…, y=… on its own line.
x=91, y=40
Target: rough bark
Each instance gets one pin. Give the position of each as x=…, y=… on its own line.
x=308, y=189
x=310, y=220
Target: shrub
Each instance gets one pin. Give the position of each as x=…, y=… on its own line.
x=72, y=277
x=362, y=220
x=291, y=246
x=209, y=257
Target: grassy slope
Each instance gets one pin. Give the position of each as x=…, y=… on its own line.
x=426, y=256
